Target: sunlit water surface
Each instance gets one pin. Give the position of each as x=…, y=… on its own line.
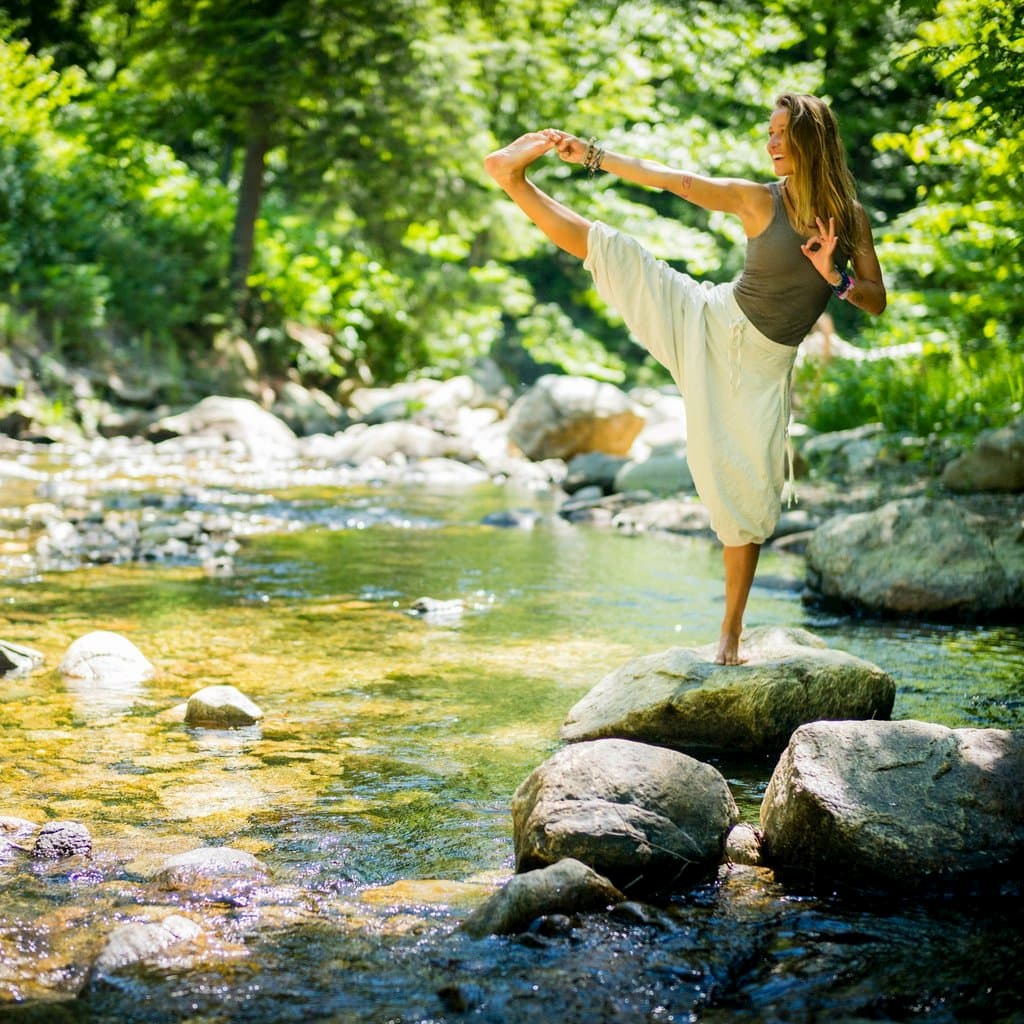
x=377, y=787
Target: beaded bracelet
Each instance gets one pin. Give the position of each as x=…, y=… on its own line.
x=845, y=286
x=593, y=156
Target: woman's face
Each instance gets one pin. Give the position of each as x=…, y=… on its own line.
x=778, y=142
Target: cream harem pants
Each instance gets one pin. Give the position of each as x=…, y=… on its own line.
x=734, y=381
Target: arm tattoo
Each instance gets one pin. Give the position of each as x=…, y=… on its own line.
x=687, y=182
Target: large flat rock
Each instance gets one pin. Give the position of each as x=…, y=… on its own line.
x=681, y=699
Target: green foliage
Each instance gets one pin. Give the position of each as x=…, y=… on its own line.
x=979, y=53
x=96, y=241
x=959, y=248
x=954, y=258
x=381, y=248
x=552, y=338
x=944, y=390
x=305, y=274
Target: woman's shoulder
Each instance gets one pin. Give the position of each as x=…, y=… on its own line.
x=760, y=199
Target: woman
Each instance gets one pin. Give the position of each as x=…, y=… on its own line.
x=729, y=347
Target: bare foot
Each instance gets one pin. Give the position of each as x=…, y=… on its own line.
x=510, y=162
x=729, y=650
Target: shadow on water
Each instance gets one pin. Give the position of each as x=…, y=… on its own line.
x=377, y=787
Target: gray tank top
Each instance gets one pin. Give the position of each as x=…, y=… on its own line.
x=779, y=291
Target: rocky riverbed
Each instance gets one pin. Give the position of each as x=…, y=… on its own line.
x=900, y=525
x=236, y=869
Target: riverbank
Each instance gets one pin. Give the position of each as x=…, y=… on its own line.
x=602, y=457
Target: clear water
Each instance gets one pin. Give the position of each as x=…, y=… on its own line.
x=377, y=788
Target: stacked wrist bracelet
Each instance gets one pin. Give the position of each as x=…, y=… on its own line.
x=593, y=156
x=845, y=286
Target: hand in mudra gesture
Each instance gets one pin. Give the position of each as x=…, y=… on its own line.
x=820, y=248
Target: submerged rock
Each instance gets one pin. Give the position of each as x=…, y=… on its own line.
x=105, y=657
x=917, y=556
x=681, y=699
x=221, y=707
x=669, y=515
x=592, y=469
x=210, y=867
x=16, y=660
x=59, y=839
x=425, y=892
x=513, y=519
x=14, y=835
x=743, y=845
x=646, y=817
x=896, y=803
x=461, y=998
x=308, y=410
x=387, y=441
x=853, y=452
x=16, y=828
x=438, y=612
x=142, y=940
x=565, y=887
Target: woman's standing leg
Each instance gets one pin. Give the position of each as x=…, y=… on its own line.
x=740, y=564
x=507, y=166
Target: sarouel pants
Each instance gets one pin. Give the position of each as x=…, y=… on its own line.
x=734, y=380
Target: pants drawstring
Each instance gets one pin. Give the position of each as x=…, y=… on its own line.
x=736, y=352
x=790, y=487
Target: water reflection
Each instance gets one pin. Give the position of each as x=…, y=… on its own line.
x=105, y=699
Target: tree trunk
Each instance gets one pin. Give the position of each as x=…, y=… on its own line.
x=249, y=195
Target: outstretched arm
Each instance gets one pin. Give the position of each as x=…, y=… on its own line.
x=746, y=199
x=507, y=166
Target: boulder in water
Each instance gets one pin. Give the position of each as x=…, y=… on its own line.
x=59, y=839
x=241, y=420
x=563, y=416
x=104, y=657
x=142, y=940
x=917, y=556
x=645, y=817
x=16, y=660
x=664, y=475
x=995, y=463
x=897, y=804
x=565, y=887
x=210, y=867
x=681, y=699
x=221, y=707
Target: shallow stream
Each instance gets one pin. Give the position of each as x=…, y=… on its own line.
x=377, y=787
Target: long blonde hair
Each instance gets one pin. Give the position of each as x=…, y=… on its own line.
x=821, y=180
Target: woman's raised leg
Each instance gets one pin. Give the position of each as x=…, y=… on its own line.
x=507, y=166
